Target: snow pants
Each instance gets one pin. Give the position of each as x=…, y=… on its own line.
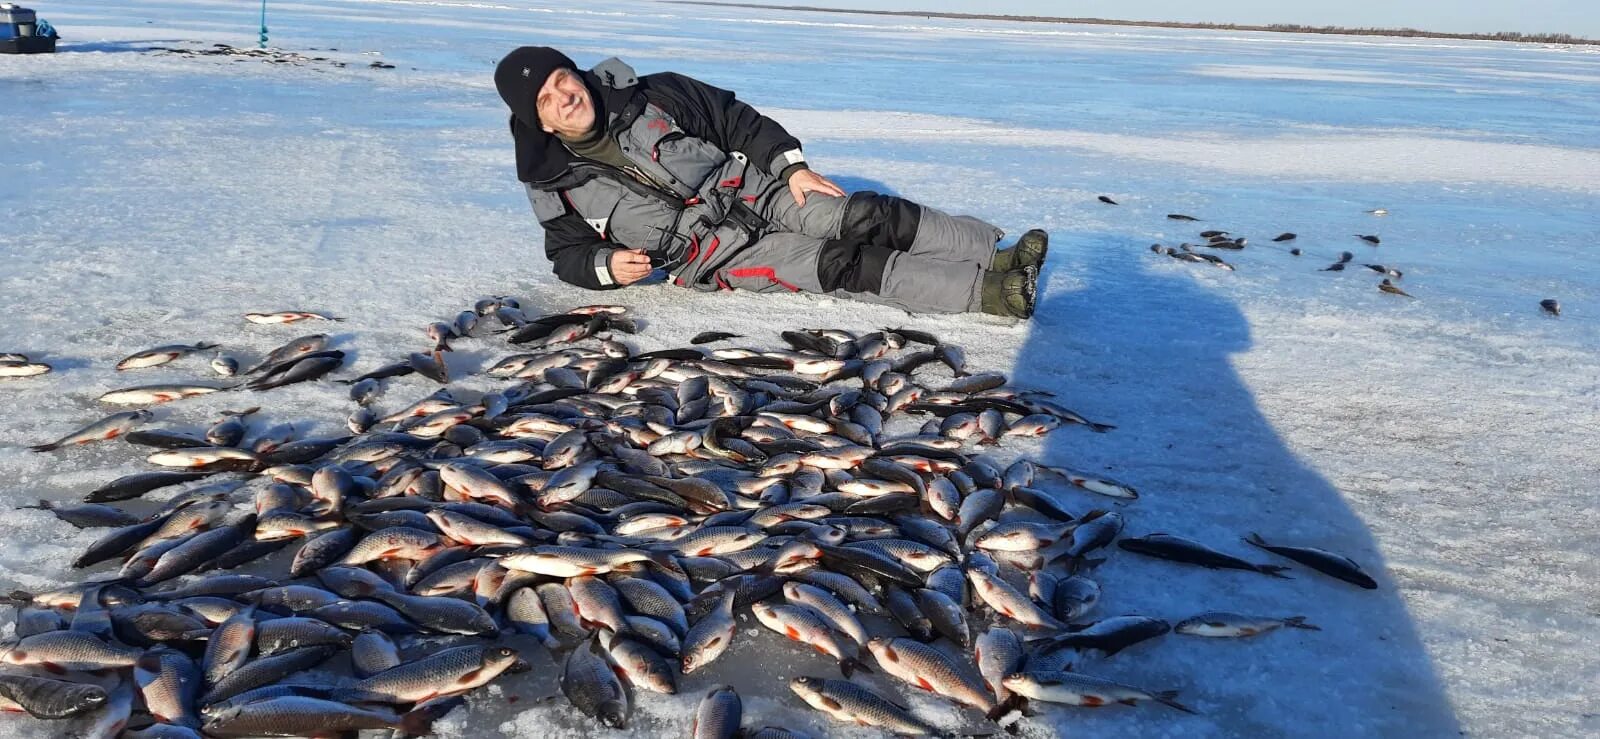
x=866, y=246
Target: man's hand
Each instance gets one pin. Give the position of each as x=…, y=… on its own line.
x=806, y=181
x=630, y=265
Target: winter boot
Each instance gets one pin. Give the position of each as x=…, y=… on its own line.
x=1029, y=250
x=1010, y=294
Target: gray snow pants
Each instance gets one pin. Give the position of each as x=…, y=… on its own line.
x=891, y=251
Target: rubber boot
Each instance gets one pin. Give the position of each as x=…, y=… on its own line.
x=1029, y=251
x=1010, y=294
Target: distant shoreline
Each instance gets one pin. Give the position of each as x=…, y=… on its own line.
x=1527, y=38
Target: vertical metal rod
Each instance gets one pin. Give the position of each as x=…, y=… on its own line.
x=263, y=43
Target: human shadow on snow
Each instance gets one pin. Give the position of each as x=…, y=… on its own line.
x=1139, y=341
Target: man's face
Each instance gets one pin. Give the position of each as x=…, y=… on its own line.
x=564, y=105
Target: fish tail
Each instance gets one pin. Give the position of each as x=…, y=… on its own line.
x=1299, y=622
x=1100, y=428
x=1274, y=571
x=1168, y=698
x=43, y=505
x=1255, y=540
x=19, y=597
x=205, y=346
x=52, y=446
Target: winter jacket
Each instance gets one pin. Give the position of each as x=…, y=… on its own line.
x=701, y=159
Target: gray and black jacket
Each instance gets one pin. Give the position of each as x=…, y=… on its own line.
x=701, y=160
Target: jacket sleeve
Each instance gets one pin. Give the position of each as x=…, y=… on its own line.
x=577, y=254
x=714, y=114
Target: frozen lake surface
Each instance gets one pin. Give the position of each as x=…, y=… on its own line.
x=1449, y=442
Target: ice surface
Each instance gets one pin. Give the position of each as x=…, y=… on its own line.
x=1449, y=443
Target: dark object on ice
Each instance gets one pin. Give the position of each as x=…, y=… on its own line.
x=1335, y=267
x=1181, y=217
x=380, y=65
x=1327, y=563
x=1345, y=256
x=1393, y=289
x=1550, y=306
x=1107, y=200
x=1382, y=270
x=1370, y=239
x=21, y=32
x=713, y=336
x=1188, y=551
x=1285, y=236
x=1210, y=234
x=1294, y=252
x=1225, y=244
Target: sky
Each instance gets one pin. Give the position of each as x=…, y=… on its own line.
x=1577, y=17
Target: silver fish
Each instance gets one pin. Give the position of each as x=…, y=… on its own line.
x=110, y=427
x=856, y=704
x=1224, y=624
x=1075, y=689
x=161, y=355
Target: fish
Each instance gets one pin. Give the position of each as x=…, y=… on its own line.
x=932, y=670
x=298, y=715
x=709, y=637
x=229, y=646
x=224, y=365
x=1076, y=689
x=1550, y=306
x=49, y=699
x=998, y=652
x=69, y=651
x=642, y=666
x=1181, y=217
x=1325, y=562
x=1106, y=199
x=1382, y=270
x=1179, y=549
x=718, y=714
x=87, y=515
x=1224, y=624
x=153, y=394
x=805, y=625
x=305, y=368
x=110, y=427
x=1393, y=289
x=23, y=368
x=169, y=682
x=709, y=337
x=590, y=684
x=161, y=355
x=294, y=348
x=288, y=316
x=443, y=673
x=1285, y=236
x=1007, y=601
x=1109, y=636
x=856, y=704
x=1370, y=239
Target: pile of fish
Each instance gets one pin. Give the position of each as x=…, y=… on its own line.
x=625, y=510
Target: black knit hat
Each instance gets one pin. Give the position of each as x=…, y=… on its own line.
x=520, y=75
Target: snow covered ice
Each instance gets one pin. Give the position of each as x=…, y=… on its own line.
x=1447, y=443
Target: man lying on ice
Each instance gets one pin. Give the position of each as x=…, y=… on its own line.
x=628, y=174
